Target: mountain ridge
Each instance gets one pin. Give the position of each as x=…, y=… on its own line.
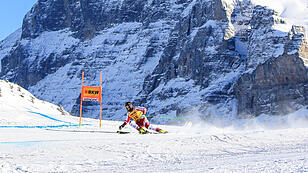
x=175, y=58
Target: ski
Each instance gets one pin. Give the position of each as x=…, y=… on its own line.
x=121, y=132
x=154, y=133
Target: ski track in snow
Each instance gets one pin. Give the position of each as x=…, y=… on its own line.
x=93, y=149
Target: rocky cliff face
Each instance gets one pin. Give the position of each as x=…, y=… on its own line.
x=279, y=84
x=274, y=83
x=175, y=57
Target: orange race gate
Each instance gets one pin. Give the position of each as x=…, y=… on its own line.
x=91, y=93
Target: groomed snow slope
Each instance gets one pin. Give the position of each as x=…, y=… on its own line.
x=36, y=137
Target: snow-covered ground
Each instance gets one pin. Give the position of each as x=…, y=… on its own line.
x=36, y=136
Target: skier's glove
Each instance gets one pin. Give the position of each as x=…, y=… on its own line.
x=121, y=127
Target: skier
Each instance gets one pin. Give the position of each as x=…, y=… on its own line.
x=138, y=114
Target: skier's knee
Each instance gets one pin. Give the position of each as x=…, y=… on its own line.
x=147, y=125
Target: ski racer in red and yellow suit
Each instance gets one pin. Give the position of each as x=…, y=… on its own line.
x=138, y=114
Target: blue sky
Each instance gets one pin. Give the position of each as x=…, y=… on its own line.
x=12, y=13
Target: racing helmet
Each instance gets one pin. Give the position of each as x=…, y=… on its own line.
x=129, y=106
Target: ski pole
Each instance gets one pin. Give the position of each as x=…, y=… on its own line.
x=184, y=119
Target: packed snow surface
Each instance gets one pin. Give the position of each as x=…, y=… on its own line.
x=36, y=136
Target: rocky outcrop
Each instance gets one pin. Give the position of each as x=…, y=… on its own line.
x=276, y=87
x=276, y=78
x=86, y=18
x=172, y=56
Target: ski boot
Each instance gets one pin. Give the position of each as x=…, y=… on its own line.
x=162, y=131
x=142, y=131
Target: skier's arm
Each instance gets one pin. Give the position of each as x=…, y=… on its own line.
x=125, y=122
x=142, y=109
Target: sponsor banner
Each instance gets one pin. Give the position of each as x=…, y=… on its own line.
x=90, y=99
x=90, y=93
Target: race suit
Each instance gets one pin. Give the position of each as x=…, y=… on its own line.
x=138, y=114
